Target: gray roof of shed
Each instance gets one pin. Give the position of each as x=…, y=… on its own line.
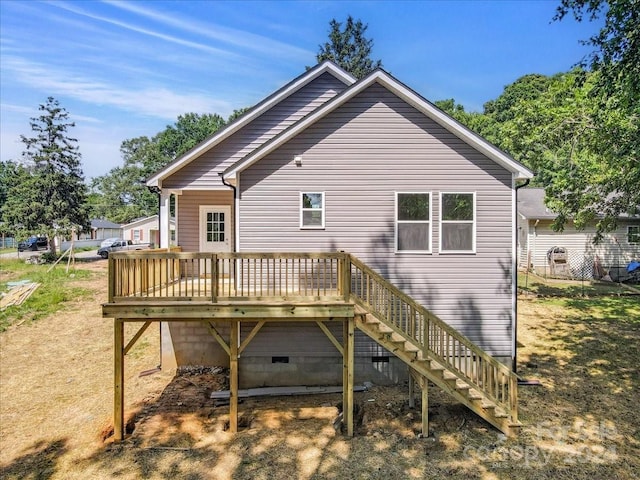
x=101, y=223
x=531, y=204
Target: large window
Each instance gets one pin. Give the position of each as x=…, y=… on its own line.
x=457, y=222
x=312, y=210
x=633, y=234
x=413, y=222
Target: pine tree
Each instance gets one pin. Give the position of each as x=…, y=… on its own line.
x=51, y=198
x=349, y=48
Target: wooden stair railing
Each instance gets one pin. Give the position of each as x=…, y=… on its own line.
x=434, y=349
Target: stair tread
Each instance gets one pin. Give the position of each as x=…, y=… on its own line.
x=426, y=366
x=460, y=385
x=447, y=375
x=475, y=395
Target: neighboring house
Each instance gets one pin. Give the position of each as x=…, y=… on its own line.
x=145, y=230
x=102, y=229
x=584, y=258
x=327, y=164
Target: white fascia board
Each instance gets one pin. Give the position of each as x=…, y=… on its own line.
x=259, y=109
x=140, y=221
x=427, y=108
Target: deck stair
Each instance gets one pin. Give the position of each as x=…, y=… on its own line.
x=433, y=350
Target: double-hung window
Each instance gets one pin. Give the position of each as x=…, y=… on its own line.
x=413, y=222
x=633, y=234
x=457, y=222
x=312, y=210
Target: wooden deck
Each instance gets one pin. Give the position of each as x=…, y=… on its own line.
x=231, y=288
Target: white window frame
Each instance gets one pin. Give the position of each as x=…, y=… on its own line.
x=636, y=234
x=302, y=210
x=136, y=235
x=397, y=222
x=466, y=222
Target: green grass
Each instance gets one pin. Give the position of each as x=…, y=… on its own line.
x=51, y=295
x=8, y=250
x=567, y=288
x=618, y=310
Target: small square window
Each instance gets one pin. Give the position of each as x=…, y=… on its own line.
x=312, y=210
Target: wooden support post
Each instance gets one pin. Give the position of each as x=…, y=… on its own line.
x=348, y=367
x=233, y=377
x=118, y=381
x=346, y=277
x=345, y=370
x=412, y=400
x=425, y=407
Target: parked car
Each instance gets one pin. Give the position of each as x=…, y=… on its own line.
x=34, y=243
x=107, y=242
x=121, y=245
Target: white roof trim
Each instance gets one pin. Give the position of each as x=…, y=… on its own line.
x=259, y=109
x=408, y=95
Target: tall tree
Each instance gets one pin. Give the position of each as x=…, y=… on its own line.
x=614, y=123
x=121, y=195
x=616, y=51
x=11, y=175
x=51, y=198
x=349, y=48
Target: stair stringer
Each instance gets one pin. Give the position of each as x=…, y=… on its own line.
x=407, y=350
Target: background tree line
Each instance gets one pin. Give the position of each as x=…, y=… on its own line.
x=578, y=130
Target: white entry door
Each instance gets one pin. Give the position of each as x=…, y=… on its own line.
x=215, y=228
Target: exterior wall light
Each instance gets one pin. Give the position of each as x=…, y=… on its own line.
x=298, y=160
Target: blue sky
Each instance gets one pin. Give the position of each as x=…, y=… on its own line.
x=126, y=69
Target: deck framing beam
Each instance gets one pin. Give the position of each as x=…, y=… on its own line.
x=135, y=338
x=330, y=336
x=218, y=337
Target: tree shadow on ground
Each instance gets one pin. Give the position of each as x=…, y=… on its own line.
x=38, y=462
x=587, y=362
x=182, y=435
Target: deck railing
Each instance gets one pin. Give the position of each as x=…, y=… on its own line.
x=438, y=340
x=214, y=277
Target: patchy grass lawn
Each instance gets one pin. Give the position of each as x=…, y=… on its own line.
x=549, y=287
x=56, y=401
x=56, y=288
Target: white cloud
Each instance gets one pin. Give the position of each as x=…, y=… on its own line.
x=145, y=31
x=18, y=109
x=153, y=101
x=235, y=37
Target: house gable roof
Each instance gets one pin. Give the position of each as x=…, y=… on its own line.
x=402, y=91
x=143, y=220
x=296, y=84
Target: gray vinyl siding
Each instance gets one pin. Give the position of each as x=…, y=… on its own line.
x=359, y=156
x=189, y=214
x=203, y=171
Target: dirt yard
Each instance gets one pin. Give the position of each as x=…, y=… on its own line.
x=56, y=403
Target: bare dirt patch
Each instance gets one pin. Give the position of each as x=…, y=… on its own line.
x=56, y=407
